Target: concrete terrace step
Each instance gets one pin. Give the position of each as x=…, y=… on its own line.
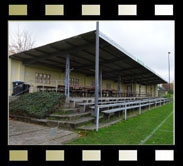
x=101, y=125
x=68, y=110
x=70, y=116
x=71, y=123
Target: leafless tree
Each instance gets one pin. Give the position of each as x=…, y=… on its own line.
x=20, y=41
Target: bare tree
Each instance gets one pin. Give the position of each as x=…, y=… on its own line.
x=21, y=41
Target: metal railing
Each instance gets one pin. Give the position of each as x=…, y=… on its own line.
x=124, y=106
x=34, y=86
x=85, y=91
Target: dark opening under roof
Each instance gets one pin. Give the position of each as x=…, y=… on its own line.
x=114, y=60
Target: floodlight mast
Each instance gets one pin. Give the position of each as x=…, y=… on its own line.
x=169, y=71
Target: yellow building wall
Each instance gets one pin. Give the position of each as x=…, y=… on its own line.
x=15, y=73
x=136, y=89
x=9, y=77
x=30, y=73
x=89, y=80
x=18, y=72
x=155, y=90
x=143, y=89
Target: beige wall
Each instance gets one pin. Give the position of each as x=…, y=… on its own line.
x=17, y=71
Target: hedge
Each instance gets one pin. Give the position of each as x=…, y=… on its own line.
x=38, y=104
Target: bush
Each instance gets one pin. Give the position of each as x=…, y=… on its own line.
x=168, y=96
x=38, y=104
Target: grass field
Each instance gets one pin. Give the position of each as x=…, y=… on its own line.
x=151, y=127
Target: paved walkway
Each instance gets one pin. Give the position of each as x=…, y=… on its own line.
x=21, y=133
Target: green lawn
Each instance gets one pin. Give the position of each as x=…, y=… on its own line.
x=135, y=130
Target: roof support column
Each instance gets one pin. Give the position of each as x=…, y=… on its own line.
x=97, y=74
x=119, y=85
x=101, y=81
x=132, y=90
x=67, y=76
x=140, y=90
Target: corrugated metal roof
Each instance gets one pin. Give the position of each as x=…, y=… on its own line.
x=114, y=60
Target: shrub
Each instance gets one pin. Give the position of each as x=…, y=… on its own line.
x=38, y=104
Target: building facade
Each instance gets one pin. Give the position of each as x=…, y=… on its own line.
x=39, y=75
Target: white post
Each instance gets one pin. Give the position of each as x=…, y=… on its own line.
x=43, y=85
x=56, y=85
x=125, y=111
x=160, y=102
x=155, y=103
x=140, y=107
x=97, y=119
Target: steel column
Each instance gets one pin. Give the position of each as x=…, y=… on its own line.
x=97, y=70
x=140, y=90
x=119, y=85
x=67, y=76
x=100, y=81
x=132, y=89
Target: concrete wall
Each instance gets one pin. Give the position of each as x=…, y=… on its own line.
x=18, y=72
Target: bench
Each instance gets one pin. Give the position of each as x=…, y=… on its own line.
x=125, y=108
x=84, y=105
x=120, y=104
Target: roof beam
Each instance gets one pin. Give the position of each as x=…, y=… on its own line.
x=61, y=53
x=58, y=67
x=123, y=70
x=104, y=62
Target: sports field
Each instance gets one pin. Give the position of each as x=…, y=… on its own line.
x=152, y=127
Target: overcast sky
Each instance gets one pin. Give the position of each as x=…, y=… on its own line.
x=149, y=41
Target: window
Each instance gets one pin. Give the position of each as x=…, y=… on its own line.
x=42, y=78
x=74, y=81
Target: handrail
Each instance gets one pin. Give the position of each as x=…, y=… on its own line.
x=21, y=92
x=30, y=82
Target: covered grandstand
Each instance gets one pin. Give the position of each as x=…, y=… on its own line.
x=82, y=67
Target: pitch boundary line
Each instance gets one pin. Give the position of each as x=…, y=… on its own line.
x=150, y=135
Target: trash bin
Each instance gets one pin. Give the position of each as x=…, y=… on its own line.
x=26, y=88
x=17, y=88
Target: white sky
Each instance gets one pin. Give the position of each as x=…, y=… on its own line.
x=149, y=41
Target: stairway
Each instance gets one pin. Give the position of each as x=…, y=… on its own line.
x=72, y=118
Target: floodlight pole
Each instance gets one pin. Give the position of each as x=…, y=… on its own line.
x=97, y=75
x=169, y=71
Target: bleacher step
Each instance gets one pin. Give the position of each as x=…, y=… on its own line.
x=68, y=110
x=70, y=116
x=101, y=125
x=70, y=123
